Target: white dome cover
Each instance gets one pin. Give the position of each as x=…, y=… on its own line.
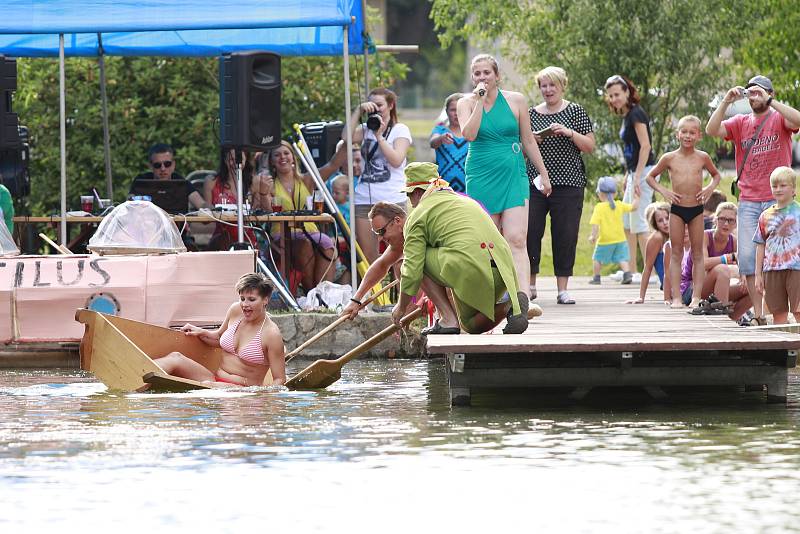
x=135, y=227
x=7, y=245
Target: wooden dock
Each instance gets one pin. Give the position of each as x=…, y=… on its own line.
x=601, y=341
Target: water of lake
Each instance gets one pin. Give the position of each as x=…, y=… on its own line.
x=382, y=451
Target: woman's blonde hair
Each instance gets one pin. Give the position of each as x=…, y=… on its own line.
x=557, y=75
x=650, y=215
x=726, y=206
x=273, y=170
x=485, y=57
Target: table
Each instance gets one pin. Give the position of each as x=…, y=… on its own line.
x=88, y=223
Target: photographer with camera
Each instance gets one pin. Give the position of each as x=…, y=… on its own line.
x=384, y=144
x=763, y=142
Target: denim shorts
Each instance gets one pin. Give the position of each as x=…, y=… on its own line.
x=635, y=221
x=747, y=225
x=611, y=253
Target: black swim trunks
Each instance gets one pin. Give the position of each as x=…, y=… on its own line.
x=687, y=214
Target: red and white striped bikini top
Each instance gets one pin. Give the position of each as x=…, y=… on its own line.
x=250, y=353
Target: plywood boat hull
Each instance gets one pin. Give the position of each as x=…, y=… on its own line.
x=120, y=352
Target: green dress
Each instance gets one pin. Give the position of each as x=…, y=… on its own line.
x=450, y=238
x=7, y=207
x=496, y=175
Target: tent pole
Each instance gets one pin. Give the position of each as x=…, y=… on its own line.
x=63, y=126
x=349, y=138
x=366, y=48
x=104, y=110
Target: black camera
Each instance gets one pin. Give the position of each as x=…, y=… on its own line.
x=374, y=121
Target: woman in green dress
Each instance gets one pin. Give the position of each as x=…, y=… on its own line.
x=498, y=127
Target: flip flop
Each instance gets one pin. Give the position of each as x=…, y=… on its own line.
x=439, y=329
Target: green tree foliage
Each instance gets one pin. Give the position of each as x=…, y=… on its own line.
x=772, y=46
x=154, y=99
x=672, y=50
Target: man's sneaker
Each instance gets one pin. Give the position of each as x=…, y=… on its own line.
x=595, y=281
x=637, y=278
x=617, y=276
x=627, y=278
x=517, y=324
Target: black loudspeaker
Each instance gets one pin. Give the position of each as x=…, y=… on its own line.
x=250, y=100
x=9, y=122
x=321, y=139
x=14, y=162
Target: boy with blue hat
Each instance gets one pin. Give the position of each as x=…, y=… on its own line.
x=608, y=233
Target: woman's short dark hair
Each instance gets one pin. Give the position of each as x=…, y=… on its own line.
x=254, y=282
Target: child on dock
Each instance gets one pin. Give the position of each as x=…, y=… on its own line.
x=778, y=249
x=656, y=251
x=607, y=230
x=685, y=166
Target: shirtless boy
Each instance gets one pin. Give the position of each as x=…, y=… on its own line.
x=687, y=196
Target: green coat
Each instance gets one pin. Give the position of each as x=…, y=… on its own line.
x=466, y=240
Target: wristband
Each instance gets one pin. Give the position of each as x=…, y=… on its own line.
x=356, y=301
x=723, y=260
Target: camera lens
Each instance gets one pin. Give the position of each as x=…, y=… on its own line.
x=373, y=121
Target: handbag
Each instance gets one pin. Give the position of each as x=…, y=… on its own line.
x=735, y=183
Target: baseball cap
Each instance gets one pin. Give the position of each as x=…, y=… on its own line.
x=606, y=184
x=761, y=81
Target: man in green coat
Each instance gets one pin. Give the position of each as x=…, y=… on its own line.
x=451, y=242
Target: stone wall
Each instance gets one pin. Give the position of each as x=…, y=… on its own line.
x=297, y=328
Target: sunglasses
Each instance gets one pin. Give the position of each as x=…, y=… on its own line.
x=616, y=79
x=381, y=231
x=726, y=220
x=158, y=164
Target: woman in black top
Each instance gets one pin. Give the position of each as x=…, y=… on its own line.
x=623, y=99
x=563, y=131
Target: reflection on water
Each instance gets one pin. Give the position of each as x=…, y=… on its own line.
x=381, y=450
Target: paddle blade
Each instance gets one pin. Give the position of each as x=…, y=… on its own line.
x=318, y=375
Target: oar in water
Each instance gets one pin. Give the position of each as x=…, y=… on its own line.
x=338, y=321
x=323, y=373
x=61, y=248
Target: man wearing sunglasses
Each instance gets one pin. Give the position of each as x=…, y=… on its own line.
x=447, y=242
x=161, y=158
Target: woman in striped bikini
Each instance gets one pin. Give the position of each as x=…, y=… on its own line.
x=252, y=343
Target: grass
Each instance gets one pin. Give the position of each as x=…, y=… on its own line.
x=583, y=253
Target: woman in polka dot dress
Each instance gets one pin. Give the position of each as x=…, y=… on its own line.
x=563, y=131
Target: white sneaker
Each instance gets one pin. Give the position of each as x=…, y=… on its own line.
x=637, y=278
x=617, y=276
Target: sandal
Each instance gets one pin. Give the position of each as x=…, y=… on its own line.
x=439, y=329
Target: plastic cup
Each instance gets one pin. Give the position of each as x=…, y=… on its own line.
x=105, y=203
x=87, y=203
x=319, y=201
x=277, y=205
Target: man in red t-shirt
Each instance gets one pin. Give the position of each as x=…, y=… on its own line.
x=769, y=147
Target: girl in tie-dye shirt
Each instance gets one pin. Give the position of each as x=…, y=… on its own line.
x=778, y=248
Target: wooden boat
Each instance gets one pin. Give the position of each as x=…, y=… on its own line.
x=122, y=352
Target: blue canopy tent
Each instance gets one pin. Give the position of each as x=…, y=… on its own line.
x=48, y=28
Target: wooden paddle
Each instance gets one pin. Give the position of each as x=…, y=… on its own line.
x=61, y=248
x=323, y=373
x=337, y=322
